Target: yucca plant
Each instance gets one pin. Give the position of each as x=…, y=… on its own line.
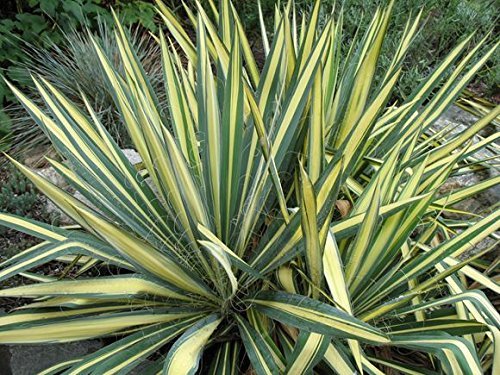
x=286, y=220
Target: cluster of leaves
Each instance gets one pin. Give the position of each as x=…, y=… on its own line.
x=445, y=22
x=17, y=194
x=226, y=237
x=43, y=23
x=73, y=67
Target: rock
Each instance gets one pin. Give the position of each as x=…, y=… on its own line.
x=51, y=208
x=53, y=176
x=475, y=204
x=132, y=155
x=31, y=359
x=483, y=245
x=455, y=115
x=456, y=121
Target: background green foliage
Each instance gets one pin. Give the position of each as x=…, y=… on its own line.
x=19, y=196
x=446, y=21
x=73, y=67
x=43, y=23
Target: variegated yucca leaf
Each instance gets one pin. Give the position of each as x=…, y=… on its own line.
x=223, y=251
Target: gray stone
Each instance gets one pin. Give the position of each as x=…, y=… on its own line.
x=132, y=156
x=477, y=203
x=51, y=208
x=83, y=199
x=488, y=242
x=456, y=115
x=52, y=176
x=31, y=359
x=456, y=120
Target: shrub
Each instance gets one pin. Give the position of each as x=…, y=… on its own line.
x=227, y=240
x=45, y=23
x=445, y=21
x=72, y=66
x=17, y=195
